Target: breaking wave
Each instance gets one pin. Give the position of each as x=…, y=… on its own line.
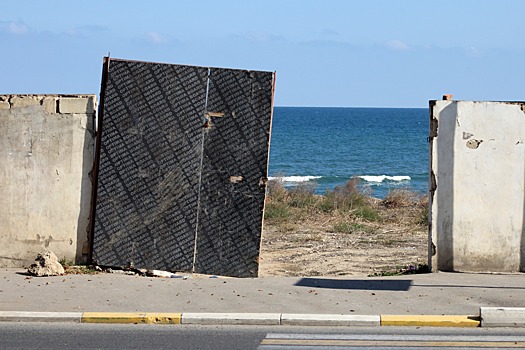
x=294, y=179
x=381, y=178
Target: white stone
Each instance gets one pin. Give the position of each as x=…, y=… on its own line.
x=159, y=273
x=46, y=264
x=21, y=101
x=70, y=105
x=50, y=104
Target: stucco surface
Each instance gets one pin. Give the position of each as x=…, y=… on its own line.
x=45, y=159
x=478, y=161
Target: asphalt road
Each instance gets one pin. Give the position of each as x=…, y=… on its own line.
x=107, y=336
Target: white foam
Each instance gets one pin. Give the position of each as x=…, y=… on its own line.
x=294, y=178
x=381, y=178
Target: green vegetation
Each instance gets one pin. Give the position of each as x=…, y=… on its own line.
x=71, y=269
x=402, y=270
x=349, y=227
x=301, y=201
x=65, y=262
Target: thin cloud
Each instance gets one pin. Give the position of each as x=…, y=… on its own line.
x=93, y=28
x=86, y=30
x=329, y=33
x=158, y=38
x=264, y=37
x=327, y=43
x=15, y=28
x=473, y=52
x=397, y=45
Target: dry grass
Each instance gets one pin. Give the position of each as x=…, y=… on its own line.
x=344, y=232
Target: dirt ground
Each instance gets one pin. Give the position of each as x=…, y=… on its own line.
x=312, y=247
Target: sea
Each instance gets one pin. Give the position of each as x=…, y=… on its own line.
x=324, y=147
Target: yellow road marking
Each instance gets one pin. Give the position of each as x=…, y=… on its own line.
x=430, y=320
x=131, y=317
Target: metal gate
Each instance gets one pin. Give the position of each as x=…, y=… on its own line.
x=182, y=156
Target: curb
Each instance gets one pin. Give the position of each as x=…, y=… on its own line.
x=489, y=317
x=502, y=317
x=30, y=316
x=329, y=320
x=231, y=319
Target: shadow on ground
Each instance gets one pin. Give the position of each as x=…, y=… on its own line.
x=393, y=285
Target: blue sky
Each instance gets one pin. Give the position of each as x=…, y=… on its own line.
x=373, y=53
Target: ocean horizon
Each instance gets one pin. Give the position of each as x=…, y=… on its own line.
x=386, y=148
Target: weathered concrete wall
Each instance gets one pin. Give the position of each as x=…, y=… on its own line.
x=478, y=167
x=46, y=154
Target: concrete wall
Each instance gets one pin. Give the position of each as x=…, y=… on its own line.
x=46, y=154
x=477, y=156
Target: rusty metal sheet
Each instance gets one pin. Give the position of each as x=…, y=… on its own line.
x=234, y=170
x=148, y=173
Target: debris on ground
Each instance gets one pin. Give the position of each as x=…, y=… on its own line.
x=46, y=264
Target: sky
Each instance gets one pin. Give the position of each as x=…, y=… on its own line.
x=339, y=53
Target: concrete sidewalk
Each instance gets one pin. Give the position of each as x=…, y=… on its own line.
x=444, y=294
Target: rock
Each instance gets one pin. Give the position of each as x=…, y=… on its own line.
x=158, y=273
x=46, y=264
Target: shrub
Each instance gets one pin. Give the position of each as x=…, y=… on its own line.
x=276, y=190
x=302, y=196
x=401, y=197
x=402, y=270
x=352, y=198
x=422, y=218
x=367, y=213
x=345, y=227
x=301, y=201
x=276, y=211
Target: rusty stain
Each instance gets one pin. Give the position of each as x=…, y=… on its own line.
x=263, y=182
x=467, y=135
x=236, y=179
x=208, y=123
x=474, y=144
x=447, y=97
x=523, y=107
